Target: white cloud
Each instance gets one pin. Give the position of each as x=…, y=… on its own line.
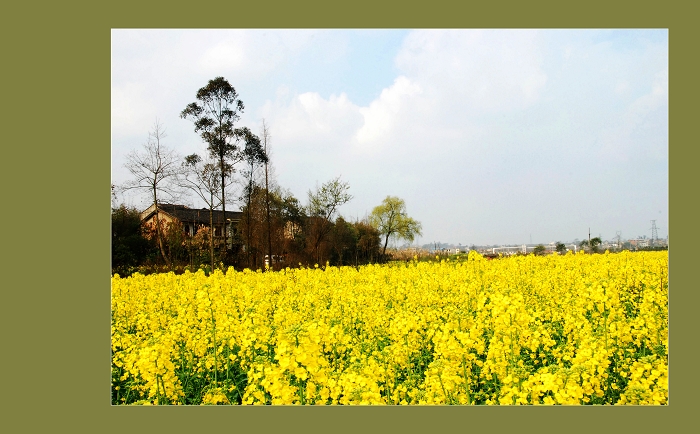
x=250, y=53
x=311, y=137
x=228, y=55
x=475, y=70
x=383, y=114
x=309, y=118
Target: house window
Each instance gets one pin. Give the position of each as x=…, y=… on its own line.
x=187, y=229
x=217, y=232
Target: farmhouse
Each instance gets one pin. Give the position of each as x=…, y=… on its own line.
x=192, y=219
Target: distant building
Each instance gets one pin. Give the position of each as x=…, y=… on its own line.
x=639, y=242
x=193, y=219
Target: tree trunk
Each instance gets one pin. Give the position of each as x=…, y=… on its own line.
x=385, y=244
x=267, y=209
x=159, y=235
x=223, y=204
x=249, y=229
x=211, y=233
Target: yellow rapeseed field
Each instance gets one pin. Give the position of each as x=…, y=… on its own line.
x=571, y=329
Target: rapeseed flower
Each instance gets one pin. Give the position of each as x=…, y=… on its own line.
x=569, y=329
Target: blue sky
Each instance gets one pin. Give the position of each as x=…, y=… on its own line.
x=490, y=136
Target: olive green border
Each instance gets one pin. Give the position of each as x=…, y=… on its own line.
x=56, y=308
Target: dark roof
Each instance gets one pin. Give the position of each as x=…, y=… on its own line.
x=197, y=216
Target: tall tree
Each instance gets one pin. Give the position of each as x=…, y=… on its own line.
x=266, y=147
x=343, y=240
x=253, y=227
x=203, y=178
x=214, y=115
x=367, y=249
x=154, y=170
x=390, y=219
x=254, y=157
x=323, y=205
x=286, y=227
x=293, y=220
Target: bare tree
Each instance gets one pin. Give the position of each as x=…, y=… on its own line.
x=154, y=170
x=114, y=196
x=203, y=178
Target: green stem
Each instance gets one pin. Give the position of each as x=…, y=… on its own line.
x=158, y=384
x=447, y=398
x=228, y=358
x=466, y=380
x=213, y=325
